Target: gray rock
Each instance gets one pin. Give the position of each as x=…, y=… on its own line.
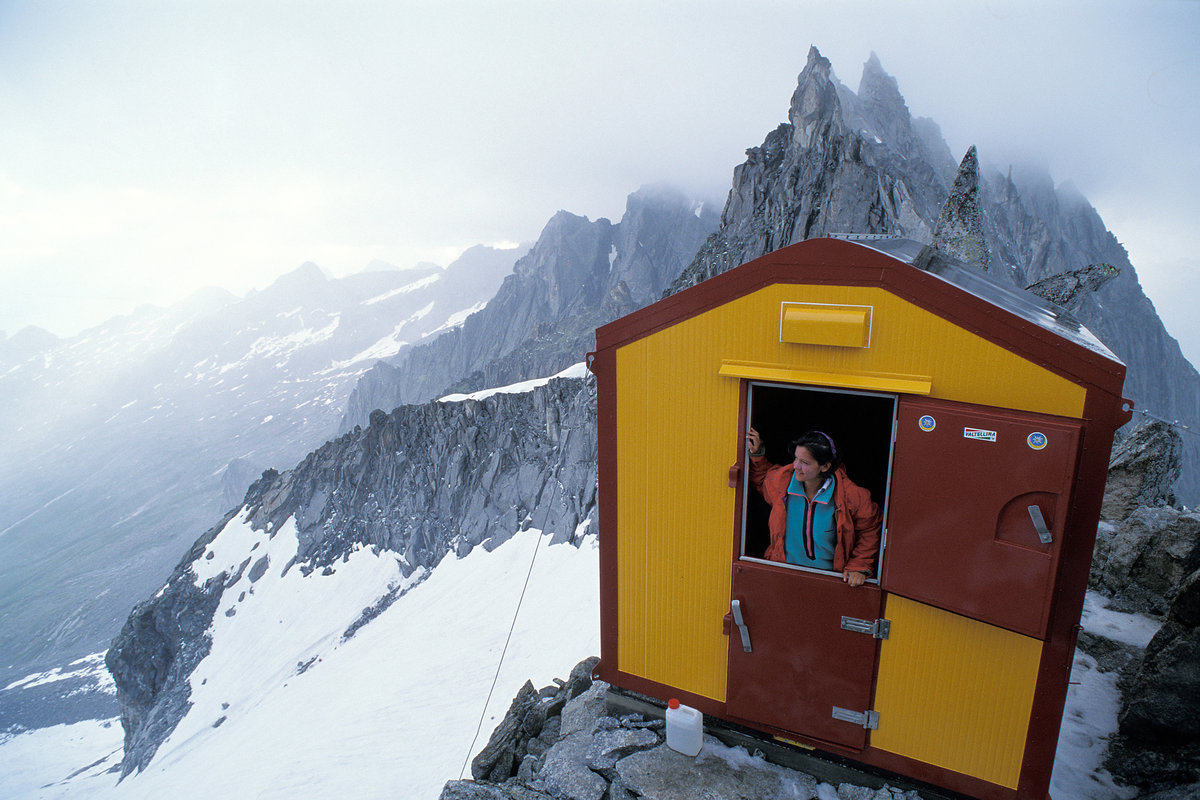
x=502, y=755
x=959, y=230
x=1158, y=746
x=1143, y=468
x=1141, y=561
x=617, y=791
x=529, y=767
x=608, y=747
x=153, y=656
x=580, y=715
x=580, y=679
x=565, y=772
x=473, y=790
x=1067, y=289
x=1189, y=792
x=849, y=791
x=663, y=774
x=1111, y=656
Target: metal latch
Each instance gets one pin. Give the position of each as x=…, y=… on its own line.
x=867, y=719
x=878, y=628
x=737, y=619
x=1039, y=523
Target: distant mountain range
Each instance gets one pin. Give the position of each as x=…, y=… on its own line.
x=123, y=443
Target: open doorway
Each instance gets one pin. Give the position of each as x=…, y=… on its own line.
x=860, y=422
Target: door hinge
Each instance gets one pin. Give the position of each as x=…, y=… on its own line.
x=878, y=628
x=867, y=719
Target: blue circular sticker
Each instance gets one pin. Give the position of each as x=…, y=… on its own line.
x=1036, y=440
x=927, y=423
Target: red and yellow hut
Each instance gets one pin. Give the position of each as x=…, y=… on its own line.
x=979, y=417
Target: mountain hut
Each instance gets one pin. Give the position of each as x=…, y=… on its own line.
x=979, y=417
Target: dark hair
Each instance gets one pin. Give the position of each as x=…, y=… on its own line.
x=821, y=445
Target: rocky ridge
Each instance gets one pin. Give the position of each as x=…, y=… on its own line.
x=419, y=482
x=580, y=274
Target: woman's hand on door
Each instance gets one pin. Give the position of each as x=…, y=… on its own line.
x=853, y=578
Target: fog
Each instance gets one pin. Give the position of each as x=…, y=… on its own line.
x=157, y=148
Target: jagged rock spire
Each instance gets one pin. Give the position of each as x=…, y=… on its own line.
x=815, y=102
x=959, y=229
x=883, y=107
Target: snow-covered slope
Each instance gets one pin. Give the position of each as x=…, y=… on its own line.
x=285, y=706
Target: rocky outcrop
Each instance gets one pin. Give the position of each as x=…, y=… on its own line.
x=1147, y=560
x=1068, y=289
x=1142, y=470
x=1145, y=547
x=1158, y=744
x=579, y=275
x=428, y=479
x=150, y=660
x=959, y=230
x=422, y=481
x=566, y=743
x=1141, y=561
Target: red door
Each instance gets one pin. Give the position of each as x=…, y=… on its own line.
x=806, y=671
x=977, y=510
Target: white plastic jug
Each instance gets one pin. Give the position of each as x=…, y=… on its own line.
x=685, y=728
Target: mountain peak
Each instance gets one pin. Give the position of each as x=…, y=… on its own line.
x=883, y=109
x=307, y=274
x=815, y=102
x=877, y=86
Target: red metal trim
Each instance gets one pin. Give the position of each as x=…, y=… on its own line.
x=603, y=366
x=1103, y=414
x=664, y=693
x=741, y=466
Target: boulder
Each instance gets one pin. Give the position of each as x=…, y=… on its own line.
x=565, y=773
x=1141, y=561
x=473, y=790
x=1158, y=746
x=502, y=755
x=663, y=774
x=1142, y=470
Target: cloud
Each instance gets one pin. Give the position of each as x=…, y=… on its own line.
x=166, y=146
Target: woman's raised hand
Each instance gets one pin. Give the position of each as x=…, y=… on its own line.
x=753, y=440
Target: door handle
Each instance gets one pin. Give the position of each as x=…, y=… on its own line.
x=1039, y=524
x=741, y=623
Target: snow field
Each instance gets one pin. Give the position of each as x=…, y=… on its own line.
x=392, y=712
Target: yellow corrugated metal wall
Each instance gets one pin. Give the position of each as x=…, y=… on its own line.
x=677, y=436
x=955, y=692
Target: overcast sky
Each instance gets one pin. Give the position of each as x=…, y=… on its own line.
x=152, y=148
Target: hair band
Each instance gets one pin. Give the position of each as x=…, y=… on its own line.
x=832, y=446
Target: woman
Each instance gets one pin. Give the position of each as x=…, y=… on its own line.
x=819, y=517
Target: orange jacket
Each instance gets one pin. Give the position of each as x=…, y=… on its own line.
x=859, y=520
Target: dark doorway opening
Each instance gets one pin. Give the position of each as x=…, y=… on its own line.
x=860, y=423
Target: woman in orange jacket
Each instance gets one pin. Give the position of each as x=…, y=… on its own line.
x=819, y=517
